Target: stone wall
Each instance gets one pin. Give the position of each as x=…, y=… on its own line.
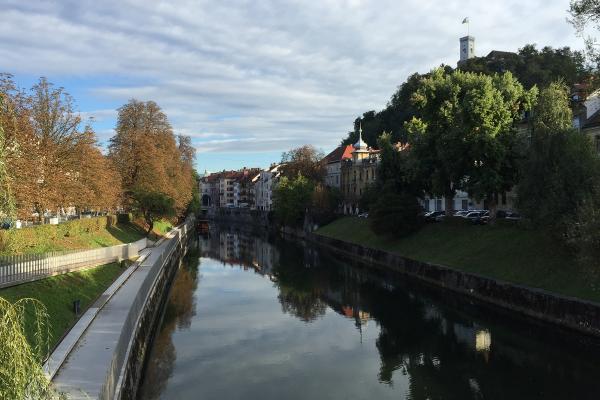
x=581, y=315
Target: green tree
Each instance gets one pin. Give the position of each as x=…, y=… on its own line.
x=583, y=14
x=465, y=138
x=292, y=198
x=395, y=213
x=561, y=173
x=306, y=161
x=24, y=344
x=153, y=206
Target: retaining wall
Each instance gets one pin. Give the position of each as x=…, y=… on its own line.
x=573, y=313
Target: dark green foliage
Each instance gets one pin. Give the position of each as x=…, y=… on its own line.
x=292, y=198
x=324, y=204
x=559, y=174
x=396, y=214
x=153, y=206
x=533, y=67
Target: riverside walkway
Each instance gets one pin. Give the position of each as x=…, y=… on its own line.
x=81, y=363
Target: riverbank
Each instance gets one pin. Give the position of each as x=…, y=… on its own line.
x=57, y=293
x=505, y=252
x=573, y=312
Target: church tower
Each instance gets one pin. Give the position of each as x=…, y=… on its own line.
x=467, y=48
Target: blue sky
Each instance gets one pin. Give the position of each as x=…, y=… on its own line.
x=248, y=80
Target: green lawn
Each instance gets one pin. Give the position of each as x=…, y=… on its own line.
x=68, y=236
x=58, y=293
x=506, y=252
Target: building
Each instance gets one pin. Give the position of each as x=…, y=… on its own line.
x=264, y=183
x=333, y=164
x=243, y=191
x=467, y=48
x=357, y=173
x=228, y=189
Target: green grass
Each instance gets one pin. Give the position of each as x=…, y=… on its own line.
x=162, y=227
x=510, y=253
x=58, y=293
x=74, y=235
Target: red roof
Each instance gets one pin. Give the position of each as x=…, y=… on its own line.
x=340, y=153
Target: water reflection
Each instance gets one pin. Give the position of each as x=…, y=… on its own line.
x=274, y=318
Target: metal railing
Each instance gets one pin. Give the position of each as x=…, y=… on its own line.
x=17, y=269
x=113, y=381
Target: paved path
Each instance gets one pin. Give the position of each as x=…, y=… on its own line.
x=82, y=374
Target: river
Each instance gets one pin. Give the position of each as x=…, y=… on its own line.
x=248, y=318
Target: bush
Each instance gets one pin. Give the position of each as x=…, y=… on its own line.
x=124, y=218
x=396, y=214
x=583, y=233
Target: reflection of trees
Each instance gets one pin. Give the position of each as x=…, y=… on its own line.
x=179, y=312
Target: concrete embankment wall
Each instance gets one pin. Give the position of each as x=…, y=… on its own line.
x=583, y=316
x=146, y=310
x=241, y=216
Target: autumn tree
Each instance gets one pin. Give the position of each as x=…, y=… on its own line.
x=148, y=155
x=306, y=161
x=56, y=132
x=7, y=204
x=465, y=138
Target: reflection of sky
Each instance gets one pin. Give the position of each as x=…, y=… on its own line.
x=241, y=345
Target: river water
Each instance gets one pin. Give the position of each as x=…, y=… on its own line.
x=247, y=318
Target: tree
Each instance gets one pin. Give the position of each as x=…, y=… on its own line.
x=292, y=197
x=465, y=138
x=7, y=203
x=306, y=161
x=561, y=169
x=584, y=13
x=56, y=133
x=148, y=156
x=25, y=378
x=153, y=206
x=395, y=213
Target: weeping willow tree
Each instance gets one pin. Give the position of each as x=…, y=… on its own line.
x=7, y=201
x=24, y=344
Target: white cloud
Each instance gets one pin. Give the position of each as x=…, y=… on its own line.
x=246, y=76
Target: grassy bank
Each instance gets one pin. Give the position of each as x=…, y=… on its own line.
x=525, y=257
x=75, y=235
x=58, y=293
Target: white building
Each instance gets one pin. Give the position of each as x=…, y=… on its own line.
x=264, y=183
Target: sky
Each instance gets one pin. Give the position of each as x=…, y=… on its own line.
x=250, y=79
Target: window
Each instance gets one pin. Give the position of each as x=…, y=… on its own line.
x=465, y=204
x=438, y=205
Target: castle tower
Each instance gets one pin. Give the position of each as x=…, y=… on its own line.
x=467, y=48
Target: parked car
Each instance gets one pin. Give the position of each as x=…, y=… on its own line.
x=478, y=217
x=363, y=215
x=434, y=216
x=461, y=213
x=513, y=216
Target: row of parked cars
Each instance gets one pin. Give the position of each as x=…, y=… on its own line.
x=475, y=216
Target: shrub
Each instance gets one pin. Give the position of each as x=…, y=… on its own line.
x=396, y=214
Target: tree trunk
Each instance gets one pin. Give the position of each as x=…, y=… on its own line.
x=449, y=204
x=493, y=208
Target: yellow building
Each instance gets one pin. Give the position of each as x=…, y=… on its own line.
x=357, y=173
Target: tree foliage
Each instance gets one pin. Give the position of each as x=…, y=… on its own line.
x=304, y=160
x=51, y=162
x=21, y=355
x=583, y=14
x=395, y=213
x=292, y=197
x=148, y=155
x=153, y=206
x=465, y=138
x=533, y=67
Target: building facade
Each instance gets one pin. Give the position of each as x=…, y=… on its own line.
x=333, y=165
x=264, y=184
x=356, y=174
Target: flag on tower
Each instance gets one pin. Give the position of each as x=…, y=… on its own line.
x=466, y=20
